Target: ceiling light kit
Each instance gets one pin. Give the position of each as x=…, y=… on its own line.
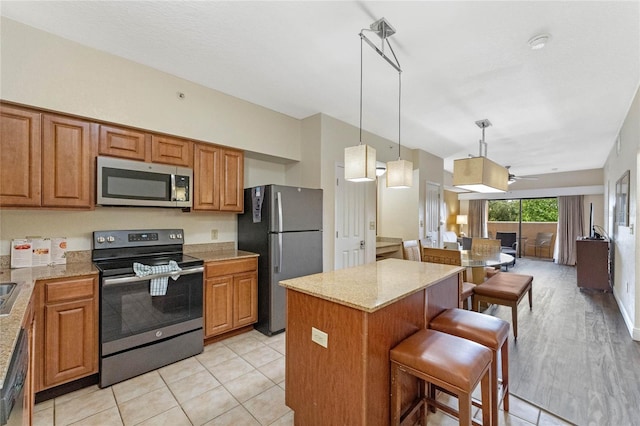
x=479, y=174
x=539, y=41
x=360, y=160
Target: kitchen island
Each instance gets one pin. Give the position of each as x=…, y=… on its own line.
x=340, y=328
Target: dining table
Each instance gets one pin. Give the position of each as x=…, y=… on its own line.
x=477, y=261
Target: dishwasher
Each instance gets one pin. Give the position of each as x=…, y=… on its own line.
x=12, y=392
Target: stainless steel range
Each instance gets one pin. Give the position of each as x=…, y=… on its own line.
x=150, y=301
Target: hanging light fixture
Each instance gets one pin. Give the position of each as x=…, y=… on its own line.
x=399, y=172
x=479, y=174
x=360, y=160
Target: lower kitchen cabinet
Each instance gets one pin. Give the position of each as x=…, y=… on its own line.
x=230, y=295
x=66, y=330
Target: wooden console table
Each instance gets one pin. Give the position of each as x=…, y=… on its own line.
x=592, y=263
x=340, y=328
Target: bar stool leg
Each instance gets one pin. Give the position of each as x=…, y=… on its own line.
x=514, y=318
x=487, y=410
x=464, y=408
x=504, y=355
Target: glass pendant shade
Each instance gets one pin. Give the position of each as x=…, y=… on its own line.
x=479, y=174
x=399, y=174
x=360, y=163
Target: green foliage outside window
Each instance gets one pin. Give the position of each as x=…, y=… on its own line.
x=533, y=210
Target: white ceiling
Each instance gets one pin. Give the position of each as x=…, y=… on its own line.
x=555, y=109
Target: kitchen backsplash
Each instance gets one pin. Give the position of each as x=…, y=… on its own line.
x=85, y=255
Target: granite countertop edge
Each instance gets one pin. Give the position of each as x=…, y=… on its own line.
x=355, y=301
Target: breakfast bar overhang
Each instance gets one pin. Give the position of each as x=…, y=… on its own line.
x=340, y=328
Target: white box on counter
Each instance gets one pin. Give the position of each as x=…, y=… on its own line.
x=38, y=251
x=59, y=250
x=41, y=251
x=21, y=253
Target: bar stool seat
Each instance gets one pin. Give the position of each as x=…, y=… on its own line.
x=454, y=364
x=488, y=331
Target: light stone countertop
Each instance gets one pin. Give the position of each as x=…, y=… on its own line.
x=384, y=244
x=372, y=286
x=214, y=256
x=26, y=278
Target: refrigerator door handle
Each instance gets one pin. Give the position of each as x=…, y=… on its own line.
x=279, y=203
x=278, y=268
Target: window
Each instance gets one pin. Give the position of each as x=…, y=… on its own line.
x=533, y=210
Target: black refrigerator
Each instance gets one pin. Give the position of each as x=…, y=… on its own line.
x=283, y=224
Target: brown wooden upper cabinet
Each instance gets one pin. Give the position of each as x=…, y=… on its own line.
x=167, y=150
x=142, y=146
x=20, y=156
x=46, y=160
x=123, y=143
x=232, y=181
x=218, y=179
x=67, y=166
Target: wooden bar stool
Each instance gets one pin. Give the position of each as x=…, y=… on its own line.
x=454, y=364
x=488, y=331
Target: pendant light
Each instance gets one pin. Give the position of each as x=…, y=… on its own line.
x=479, y=174
x=399, y=172
x=360, y=160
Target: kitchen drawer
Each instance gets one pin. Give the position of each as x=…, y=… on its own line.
x=230, y=267
x=69, y=289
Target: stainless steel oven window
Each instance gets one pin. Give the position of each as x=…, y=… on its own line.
x=128, y=309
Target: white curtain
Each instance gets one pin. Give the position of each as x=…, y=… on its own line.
x=477, y=218
x=570, y=226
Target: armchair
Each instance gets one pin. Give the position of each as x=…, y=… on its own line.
x=543, y=241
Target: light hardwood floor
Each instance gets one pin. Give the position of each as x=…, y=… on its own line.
x=574, y=356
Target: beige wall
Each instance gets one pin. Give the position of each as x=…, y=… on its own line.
x=50, y=72
x=402, y=211
x=451, y=209
x=625, y=239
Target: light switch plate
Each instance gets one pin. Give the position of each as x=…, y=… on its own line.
x=320, y=337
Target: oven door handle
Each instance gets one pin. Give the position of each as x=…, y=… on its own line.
x=125, y=280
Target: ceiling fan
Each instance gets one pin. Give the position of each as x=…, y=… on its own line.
x=513, y=178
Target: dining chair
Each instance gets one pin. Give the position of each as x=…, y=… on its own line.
x=411, y=250
x=484, y=248
x=451, y=257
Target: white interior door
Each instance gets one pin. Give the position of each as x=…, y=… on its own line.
x=432, y=213
x=350, y=222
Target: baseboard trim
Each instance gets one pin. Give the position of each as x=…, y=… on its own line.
x=634, y=332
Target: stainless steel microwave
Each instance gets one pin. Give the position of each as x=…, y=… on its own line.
x=136, y=183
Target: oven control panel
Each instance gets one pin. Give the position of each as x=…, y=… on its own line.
x=151, y=236
x=136, y=238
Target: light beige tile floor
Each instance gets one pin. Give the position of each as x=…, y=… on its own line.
x=239, y=381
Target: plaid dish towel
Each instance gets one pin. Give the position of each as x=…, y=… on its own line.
x=157, y=286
